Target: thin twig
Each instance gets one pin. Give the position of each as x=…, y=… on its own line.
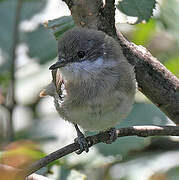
x=15, y=40
x=142, y=131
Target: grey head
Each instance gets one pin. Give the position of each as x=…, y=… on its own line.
x=81, y=44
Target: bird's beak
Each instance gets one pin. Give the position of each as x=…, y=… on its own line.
x=60, y=63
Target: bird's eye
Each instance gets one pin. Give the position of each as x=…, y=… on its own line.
x=81, y=54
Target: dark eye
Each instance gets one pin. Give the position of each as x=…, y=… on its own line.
x=81, y=54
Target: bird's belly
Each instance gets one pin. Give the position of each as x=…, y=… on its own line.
x=94, y=121
x=100, y=116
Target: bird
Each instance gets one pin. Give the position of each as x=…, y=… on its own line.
x=93, y=84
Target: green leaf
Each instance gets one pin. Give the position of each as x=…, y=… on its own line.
x=143, y=9
x=143, y=32
x=42, y=45
x=173, y=65
x=60, y=25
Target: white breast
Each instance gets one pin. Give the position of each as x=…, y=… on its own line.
x=83, y=70
x=113, y=110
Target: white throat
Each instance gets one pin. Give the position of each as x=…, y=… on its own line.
x=85, y=69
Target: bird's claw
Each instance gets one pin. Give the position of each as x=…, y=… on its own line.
x=82, y=142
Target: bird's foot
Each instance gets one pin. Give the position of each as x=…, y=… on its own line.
x=113, y=136
x=81, y=141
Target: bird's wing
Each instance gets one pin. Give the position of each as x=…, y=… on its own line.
x=58, y=81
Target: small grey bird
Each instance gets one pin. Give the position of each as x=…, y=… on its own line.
x=93, y=84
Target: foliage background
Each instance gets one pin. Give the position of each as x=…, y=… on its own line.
x=38, y=128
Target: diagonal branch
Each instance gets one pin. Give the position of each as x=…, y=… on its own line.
x=142, y=131
x=154, y=80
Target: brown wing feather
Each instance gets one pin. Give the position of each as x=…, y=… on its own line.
x=57, y=80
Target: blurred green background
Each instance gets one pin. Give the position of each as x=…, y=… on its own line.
x=35, y=119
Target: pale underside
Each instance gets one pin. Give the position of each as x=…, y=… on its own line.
x=99, y=112
x=98, y=117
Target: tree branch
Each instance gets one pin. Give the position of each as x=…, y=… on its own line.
x=107, y=18
x=154, y=80
x=141, y=131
